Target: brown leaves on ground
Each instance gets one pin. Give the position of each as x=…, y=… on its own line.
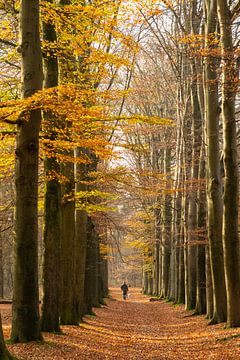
x=134, y=329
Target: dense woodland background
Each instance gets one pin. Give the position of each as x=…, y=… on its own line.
x=119, y=156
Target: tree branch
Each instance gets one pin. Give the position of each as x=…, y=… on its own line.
x=235, y=11
x=7, y=42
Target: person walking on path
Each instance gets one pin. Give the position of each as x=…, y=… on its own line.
x=124, y=289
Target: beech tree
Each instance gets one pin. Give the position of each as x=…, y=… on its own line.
x=215, y=205
x=52, y=203
x=26, y=323
x=177, y=199
x=230, y=77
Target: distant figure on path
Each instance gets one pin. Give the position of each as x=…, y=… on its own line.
x=124, y=289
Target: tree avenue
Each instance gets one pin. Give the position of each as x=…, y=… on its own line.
x=119, y=157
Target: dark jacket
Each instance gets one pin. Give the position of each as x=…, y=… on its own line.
x=124, y=288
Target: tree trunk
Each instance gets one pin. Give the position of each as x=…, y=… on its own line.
x=91, y=274
x=68, y=312
x=215, y=204
x=26, y=323
x=81, y=244
x=167, y=218
x=1, y=269
x=197, y=140
x=156, y=267
x=81, y=220
x=4, y=353
x=201, y=256
x=52, y=204
x=209, y=286
x=145, y=281
x=230, y=214
x=193, y=197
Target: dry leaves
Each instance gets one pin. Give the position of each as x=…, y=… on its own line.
x=134, y=329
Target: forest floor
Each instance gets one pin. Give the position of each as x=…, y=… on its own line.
x=133, y=329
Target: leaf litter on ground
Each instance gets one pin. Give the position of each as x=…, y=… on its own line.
x=133, y=329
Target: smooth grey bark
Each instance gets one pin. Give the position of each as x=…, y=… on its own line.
x=26, y=321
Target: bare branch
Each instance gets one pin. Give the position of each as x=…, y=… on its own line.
x=7, y=42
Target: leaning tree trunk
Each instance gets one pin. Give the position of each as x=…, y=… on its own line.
x=230, y=215
x=215, y=205
x=52, y=204
x=26, y=324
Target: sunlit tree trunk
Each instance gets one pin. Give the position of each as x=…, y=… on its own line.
x=52, y=204
x=215, y=205
x=230, y=214
x=26, y=322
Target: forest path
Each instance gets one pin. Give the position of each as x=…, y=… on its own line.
x=136, y=329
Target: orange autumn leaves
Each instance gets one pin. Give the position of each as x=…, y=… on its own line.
x=138, y=327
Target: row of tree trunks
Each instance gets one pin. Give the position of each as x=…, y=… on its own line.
x=65, y=226
x=202, y=269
